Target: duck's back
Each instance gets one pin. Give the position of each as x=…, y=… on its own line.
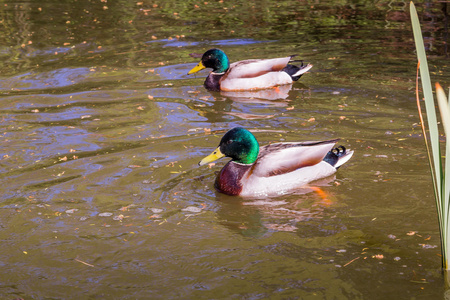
x=256, y=67
x=281, y=158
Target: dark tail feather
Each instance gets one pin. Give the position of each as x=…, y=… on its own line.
x=338, y=156
x=296, y=72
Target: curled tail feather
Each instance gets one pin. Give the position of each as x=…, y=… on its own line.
x=338, y=156
x=296, y=72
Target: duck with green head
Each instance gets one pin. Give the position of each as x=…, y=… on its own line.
x=275, y=168
x=251, y=74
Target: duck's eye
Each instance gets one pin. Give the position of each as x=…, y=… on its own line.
x=229, y=142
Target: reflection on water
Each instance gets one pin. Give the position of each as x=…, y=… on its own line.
x=256, y=216
x=277, y=93
x=102, y=130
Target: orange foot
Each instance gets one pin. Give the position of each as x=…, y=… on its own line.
x=324, y=196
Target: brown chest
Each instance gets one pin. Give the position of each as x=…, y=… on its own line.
x=229, y=180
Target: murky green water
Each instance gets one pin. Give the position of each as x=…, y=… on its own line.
x=101, y=132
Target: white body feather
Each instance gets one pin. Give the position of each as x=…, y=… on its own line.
x=256, y=186
x=256, y=74
x=261, y=82
x=300, y=155
x=308, y=162
x=252, y=67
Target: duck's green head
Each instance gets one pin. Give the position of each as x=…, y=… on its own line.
x=239, y=144
x=215, y=59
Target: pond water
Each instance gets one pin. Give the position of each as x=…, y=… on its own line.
x=102, y=129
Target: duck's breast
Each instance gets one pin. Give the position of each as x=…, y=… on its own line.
x=229, y=179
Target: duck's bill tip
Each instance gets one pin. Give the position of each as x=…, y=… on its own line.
x=197, y=68
x=215, y=155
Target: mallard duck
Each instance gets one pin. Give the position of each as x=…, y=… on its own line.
x=275, y=168
x=252, y=74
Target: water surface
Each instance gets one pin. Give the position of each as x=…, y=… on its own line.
x=102, y=130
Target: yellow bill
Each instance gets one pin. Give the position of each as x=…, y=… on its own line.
x=197, y=68
x=212, y=157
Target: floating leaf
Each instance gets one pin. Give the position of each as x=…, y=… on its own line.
x=105, y=214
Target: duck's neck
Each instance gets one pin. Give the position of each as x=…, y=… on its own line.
x=221, y=63
x=248, y=156
x=212, y=82
x=222, y=67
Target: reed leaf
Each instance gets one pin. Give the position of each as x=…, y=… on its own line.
x=440, y=183
x=444, y=110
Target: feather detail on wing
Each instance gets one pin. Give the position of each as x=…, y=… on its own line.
x=281, y=158
x=256, y=67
